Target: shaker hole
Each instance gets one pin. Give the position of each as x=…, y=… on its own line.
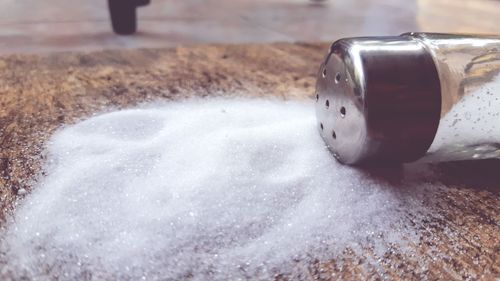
x=334, y=135
x=321, y=126
x=337, y=78
x=317, y=97
x=324, y=72
x=327, y=103
x=342, y=111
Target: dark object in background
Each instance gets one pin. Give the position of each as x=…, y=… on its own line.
x=124, y=16
x=432, y=97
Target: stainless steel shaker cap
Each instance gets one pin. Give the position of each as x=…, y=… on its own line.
x=378, y=99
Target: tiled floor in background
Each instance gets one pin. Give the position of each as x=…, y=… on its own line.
x=31, y=26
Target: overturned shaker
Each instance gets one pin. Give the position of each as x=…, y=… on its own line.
x=417, y=96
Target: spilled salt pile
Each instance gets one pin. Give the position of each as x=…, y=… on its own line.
x=200, y=189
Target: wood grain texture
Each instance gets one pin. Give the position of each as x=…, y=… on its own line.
x=41, y=93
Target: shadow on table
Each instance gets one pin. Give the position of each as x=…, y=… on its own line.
x=474, y=174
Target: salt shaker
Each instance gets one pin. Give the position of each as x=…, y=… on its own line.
x=417, y=96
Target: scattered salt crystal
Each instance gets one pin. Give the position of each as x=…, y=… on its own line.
x=200, y=189
x=21, y=191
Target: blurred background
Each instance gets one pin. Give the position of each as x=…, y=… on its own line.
x=29, y=26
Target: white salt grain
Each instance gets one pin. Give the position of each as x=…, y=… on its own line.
x=21, y=191
x=201, y=189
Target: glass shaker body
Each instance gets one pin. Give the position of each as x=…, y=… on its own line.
x=469, y=74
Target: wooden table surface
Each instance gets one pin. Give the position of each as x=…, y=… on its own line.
x=40, y=93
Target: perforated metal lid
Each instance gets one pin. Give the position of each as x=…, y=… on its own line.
x=378, y=99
